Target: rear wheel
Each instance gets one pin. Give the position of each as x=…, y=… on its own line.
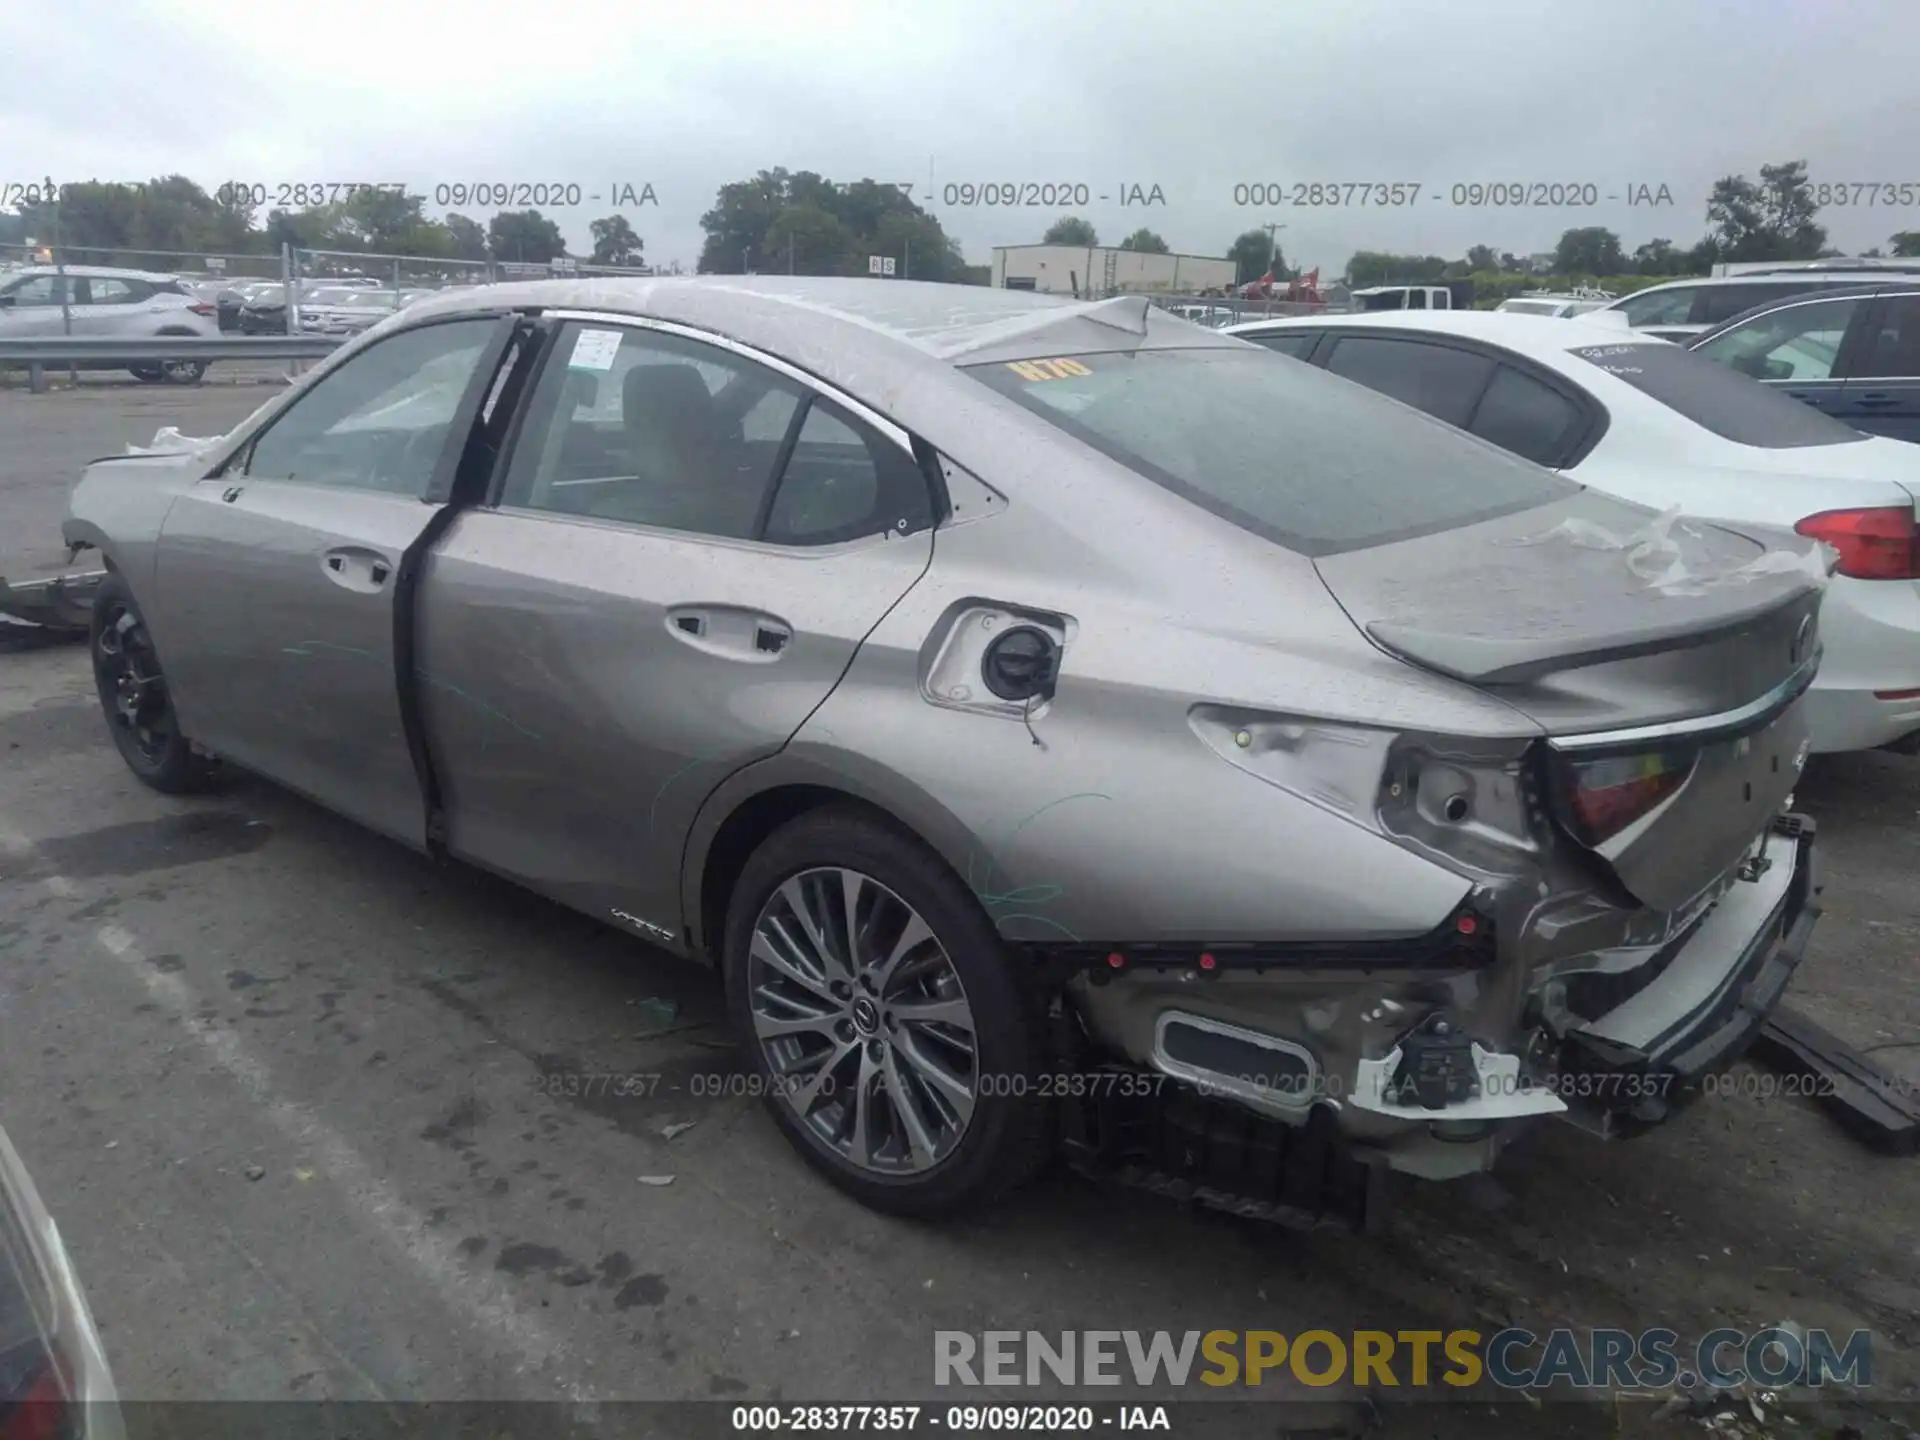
x=897, y=1046
x=133, y=696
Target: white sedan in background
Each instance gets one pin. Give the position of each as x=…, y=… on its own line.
x=1644, y=419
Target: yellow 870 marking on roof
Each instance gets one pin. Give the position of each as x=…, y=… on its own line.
x=1047, y=369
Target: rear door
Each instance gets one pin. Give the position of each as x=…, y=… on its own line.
x=686, y=547
x=276, y=577
x=1882, y=390
x=1797, y=348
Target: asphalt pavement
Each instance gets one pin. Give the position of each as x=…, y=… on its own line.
x=320, y=1118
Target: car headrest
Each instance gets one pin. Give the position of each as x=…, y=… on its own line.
x=669, y=400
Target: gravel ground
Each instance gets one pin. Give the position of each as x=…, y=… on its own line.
x=285, y=1086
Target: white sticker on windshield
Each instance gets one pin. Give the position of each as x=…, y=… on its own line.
x=594, y=350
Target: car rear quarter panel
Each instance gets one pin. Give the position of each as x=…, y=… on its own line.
x=1121, y=823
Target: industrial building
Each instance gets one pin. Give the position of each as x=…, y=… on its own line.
x=1099, y=270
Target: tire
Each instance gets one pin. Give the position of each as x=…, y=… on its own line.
x=183, y=372
x=147, y=374
x=133, y=696
x=946, y=1162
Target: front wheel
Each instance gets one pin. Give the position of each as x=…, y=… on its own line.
x=133, y=696
x=898, y=1048
x=183, y=372
x=147, y=374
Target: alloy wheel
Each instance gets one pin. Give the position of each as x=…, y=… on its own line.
x=131, y=684
x=863, y=1020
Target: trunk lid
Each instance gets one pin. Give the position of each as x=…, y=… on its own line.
x=1663, y=658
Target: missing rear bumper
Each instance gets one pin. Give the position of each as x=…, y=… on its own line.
x=1632, y=1065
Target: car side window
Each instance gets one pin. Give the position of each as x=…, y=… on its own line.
x=102, y=291
x=39, y=290
x=845, y=481
x=1438, y=379
x=1720, y=303
x=1894, y=352
x=647, y=428
x=1522, y=415
x=380, y=421
x=1297, y=343
x=1795, y=342
x=1659, y=307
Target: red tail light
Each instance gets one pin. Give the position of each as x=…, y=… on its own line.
x=1604, y=797
x=1876, y=544
x=202, y=308
x=39, y=1409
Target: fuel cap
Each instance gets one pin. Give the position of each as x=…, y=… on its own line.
x=1020, y=664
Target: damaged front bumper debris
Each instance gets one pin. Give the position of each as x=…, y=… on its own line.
x=63, y=603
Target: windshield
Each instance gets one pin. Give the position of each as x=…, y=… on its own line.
x=1532, y=307
x=1287, y=451
x=1716, y=398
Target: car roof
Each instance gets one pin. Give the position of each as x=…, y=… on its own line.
x=1798, y=278
x=857, y=321
x=1908, y=286
x=1523, y=334
x=98, y=272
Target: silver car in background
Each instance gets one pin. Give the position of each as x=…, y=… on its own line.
x=54, y=1377
x=44, y=302
x=1054, y=720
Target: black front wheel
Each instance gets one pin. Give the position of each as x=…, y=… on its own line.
x=183, y=372
x=133, y=696
x=147, y=374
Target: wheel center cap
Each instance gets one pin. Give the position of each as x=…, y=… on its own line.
x=866, y=1016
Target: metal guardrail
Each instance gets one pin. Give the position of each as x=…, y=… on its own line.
x=152, y=349
x=115, y=352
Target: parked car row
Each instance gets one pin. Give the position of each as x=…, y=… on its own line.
x=1248, y=738
x=1647, y=420
x=42, y=302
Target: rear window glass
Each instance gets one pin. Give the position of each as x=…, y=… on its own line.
x=1715, y=398
x=1281, y=449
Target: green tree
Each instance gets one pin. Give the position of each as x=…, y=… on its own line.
x=614, y=241
x=1482, y=259
x=525, y=236
x=469, y=237
x=1145, y=240
x=806, y=240
x=1070, y=230
x=1378, y=267
x=1772, y=220
x=1657, y=257
x=1251, y=253
x=924, y=250
x=1905, y=244
x=1590, y=250
x=832, y=229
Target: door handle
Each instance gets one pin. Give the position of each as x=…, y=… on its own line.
x=356, y=569
x=1876, y=400
x=231, y=493
x=730, y=632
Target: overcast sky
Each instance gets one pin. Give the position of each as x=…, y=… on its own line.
x=1194, y=98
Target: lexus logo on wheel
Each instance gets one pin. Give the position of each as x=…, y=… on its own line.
x=1802, y=638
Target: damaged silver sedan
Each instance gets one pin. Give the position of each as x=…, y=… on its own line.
x=1058, y=723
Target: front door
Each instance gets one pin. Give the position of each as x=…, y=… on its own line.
x=688, y=548
x=276, y=577
x=32, y=308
